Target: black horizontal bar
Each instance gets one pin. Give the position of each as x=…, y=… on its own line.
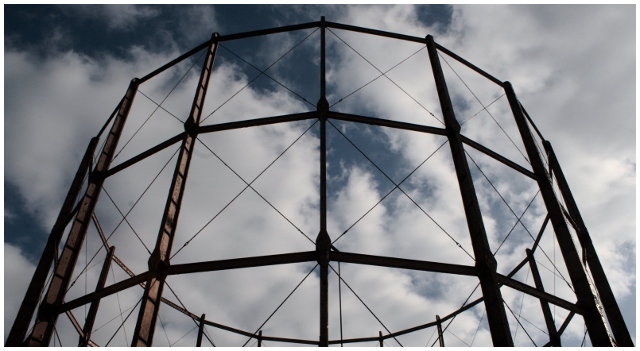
x=261, y=32
x=245, y=262
x=251, y=335
x=144, y=155
x=289, y=340
x=376, y=32
x=496, y=156
x=470, y=65
x=227, y=328
x=518, y=267
x=539, y=294
x=385, y=123
x=393, y=262
x=109, y=290
x=175, y=61
x=431, y=324
x=258, y=122
x=349, y=341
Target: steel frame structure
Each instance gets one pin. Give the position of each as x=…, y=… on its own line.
x=605, y=325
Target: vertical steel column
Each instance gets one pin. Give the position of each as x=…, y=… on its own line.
x=200, y=331
x=592, y=317
x=32, y=297
x=554, y=338
x=93, y=309
x=616, y=321
x=43, y=329
x=380, y=338
x=260, y=338
x=159, y=260
x=440, y=336
x=323, y=242
x=485, y=262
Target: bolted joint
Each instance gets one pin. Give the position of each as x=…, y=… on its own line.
x=47, y=311
x=191, y=127
x=157, y=266
x=215, y=37
x=323, y=108
x=488, y=265
x=96, y=176
x=323, y=246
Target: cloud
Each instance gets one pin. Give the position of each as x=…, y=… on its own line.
x=17, y=276
x=117, y=17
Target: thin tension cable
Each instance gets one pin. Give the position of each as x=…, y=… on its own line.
x=376, y=78
x=254, y=190
x=390, y=191
x=282, y=303
x=394, y=83
x=245, y=188
x=364, y=304
x=485, y=108
x=159, y=105
x=261, y=73
x=399, y=188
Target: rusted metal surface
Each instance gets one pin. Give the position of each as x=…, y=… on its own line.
x=159, y=260
x=32, y=296
x=93, y=309
x=42, y=331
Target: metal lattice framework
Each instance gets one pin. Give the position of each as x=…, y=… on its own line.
x=595, y=301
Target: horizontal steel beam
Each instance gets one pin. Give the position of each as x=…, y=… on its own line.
x=109, y=290
x=385, y=123
x=257, y=33
x=496, y=156
x=257, y=122
x=354, y=340
x=469, y=64
x=539, y=294
x=380, y=33
x=175, y=61
x=246, y=262
x=392, y=262
x=143, y=155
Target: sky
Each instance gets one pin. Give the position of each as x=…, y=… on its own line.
x=572, y=67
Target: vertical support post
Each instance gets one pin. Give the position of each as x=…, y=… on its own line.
x=200, y=331
x=380, y=338
x=616, y=321
x=46, y=319
x=440, y=336
x=485, y=262
x=554, y=338
x=159, y=260
x=260, y=338
x=93, y=309
x=323, y=242
x=32, y=297
x=594, y=320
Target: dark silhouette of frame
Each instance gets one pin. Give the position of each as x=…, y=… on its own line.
x=588, y=305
